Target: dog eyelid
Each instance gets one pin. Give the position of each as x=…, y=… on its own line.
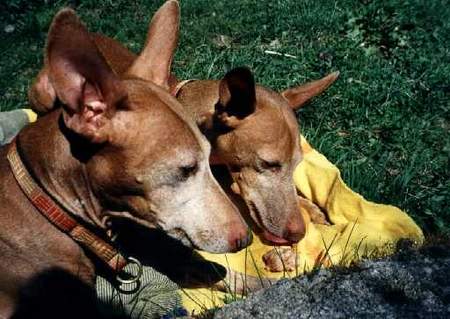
x=270, y=165
x=188, y=170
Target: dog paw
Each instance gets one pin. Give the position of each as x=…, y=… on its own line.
x=280, y=259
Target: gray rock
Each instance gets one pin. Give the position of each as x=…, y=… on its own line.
x=412, y=284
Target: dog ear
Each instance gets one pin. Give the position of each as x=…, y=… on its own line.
x=154, y=62
x=82, y=80
x=237, y=96
x=42, y=95
x=299, y=95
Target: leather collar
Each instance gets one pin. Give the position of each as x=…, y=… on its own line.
x=57, y=215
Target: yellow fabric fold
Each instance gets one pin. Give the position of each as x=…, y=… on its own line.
x=359, y=228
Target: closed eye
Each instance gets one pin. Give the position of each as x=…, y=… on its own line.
x=187, y=171
x=273, y=166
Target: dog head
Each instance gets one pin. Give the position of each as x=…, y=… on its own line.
x=146, y=160
x=258, y=140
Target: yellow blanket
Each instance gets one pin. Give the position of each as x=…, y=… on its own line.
x=358, y=229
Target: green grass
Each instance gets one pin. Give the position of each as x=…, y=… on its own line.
x=385, y=123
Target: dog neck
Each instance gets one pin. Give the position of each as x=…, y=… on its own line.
x=50, y=159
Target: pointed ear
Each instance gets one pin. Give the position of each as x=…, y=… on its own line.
x=82, y=80
x=154, y=62
x=237, y=96
x=300, y=95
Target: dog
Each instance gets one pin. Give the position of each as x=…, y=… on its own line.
x=119, y=147
x=252, y=129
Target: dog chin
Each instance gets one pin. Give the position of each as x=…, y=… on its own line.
x=180, y=235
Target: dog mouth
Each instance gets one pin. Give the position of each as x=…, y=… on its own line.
x=266, y=235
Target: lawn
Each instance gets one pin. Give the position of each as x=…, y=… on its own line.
x=385, y=122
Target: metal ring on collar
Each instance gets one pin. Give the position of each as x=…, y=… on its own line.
x=133, y=278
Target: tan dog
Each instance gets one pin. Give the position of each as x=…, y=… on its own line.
x=252, y=129
x=107, y=152
x=254, y=132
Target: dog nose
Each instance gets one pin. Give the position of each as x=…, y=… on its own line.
x=240, y=239
x=295, y=228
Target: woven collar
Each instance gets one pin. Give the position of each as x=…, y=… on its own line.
x=58, y=217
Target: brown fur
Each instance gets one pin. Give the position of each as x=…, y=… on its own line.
x=108, y=152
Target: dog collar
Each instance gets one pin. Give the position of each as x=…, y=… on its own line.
x=179, y=86
x=58, y=217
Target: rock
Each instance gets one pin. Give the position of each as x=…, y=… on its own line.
x=411, y=284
